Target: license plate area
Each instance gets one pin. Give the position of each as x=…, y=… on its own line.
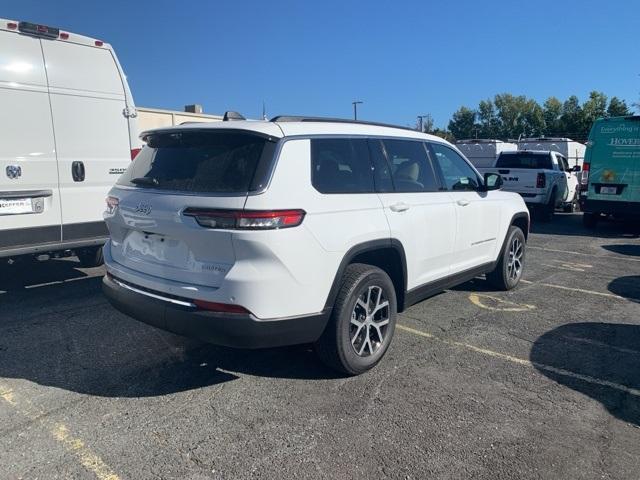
x=21, y=206
x=609, y=190
x=157, y=249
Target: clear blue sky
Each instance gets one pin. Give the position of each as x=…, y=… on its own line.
x=402, y=59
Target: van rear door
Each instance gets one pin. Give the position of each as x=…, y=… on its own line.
x=29, y=192
x=92, y=133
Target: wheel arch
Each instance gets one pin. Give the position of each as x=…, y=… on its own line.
x=387, y=254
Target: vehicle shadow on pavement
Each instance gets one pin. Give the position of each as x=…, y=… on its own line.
x=632, y=250
x=571, y=224
x=28, y=272
x=607, y=353
x=68, y=336
x=628, y=287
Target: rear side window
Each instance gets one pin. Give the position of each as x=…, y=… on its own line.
x=524, y=160
x=410, y=167
x=200, y=162
x=341, y=165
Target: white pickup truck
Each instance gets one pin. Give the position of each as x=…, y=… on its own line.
x=543, y=178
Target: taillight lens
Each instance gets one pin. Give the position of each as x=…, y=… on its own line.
x=112, y=204
x=584, y=178
x=220, y=307
x=541, y=180
x=134, y=153
x=246, y=219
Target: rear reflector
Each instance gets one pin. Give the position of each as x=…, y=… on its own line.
x=220, y=307
x=541, y=180
x=135, y=152
x=246, y=219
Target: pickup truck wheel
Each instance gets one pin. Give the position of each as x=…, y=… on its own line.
x=590, y=220
x=90, y=257
x=508, y=271
x=573, y=206
x=362, y=322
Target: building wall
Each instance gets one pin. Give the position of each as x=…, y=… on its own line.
x=149, y=118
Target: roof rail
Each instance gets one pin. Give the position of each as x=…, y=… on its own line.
x=294, y=118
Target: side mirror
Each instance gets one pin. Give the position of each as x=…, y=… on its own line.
x=576, y=169
x=492, y=181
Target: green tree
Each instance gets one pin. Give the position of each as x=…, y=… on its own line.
x=552, y=112
x=571, y=120
x=617, y=108
x=463, y=123
x=518, y=116
x=488, y=121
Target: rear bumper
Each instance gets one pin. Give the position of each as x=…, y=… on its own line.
x=618, y=209
x=231, y=330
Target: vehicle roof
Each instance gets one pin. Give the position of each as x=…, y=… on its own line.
x=73, y=37
x=479, y=140
x=293, y=128
x=534, y=152
x=546, y=139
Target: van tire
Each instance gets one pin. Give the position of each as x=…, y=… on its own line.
x=500, y=277
x=336, y=347
x=90, y=257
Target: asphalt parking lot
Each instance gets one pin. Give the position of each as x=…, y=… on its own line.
x=540, y=382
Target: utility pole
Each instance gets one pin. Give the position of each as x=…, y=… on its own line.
x=355, y=104
x=421, y=122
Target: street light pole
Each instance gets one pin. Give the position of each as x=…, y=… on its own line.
x=355, y=104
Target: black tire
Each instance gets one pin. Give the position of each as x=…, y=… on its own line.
x=590, y=220
x=335, y=347
x=501, y=277
x=90, y=257
x=573, y=206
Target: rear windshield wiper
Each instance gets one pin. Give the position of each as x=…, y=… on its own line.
x=145, y=181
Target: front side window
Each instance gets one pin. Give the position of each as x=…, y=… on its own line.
x=458, y=174
x=410, y=167
x=341, y=165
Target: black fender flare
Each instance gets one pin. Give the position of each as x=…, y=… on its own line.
x=365, y=247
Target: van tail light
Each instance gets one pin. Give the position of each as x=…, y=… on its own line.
x=584, y=178
x=246, y=219
x=541, y=180
x=220, y=307
x=12, y=26
x=134, y=153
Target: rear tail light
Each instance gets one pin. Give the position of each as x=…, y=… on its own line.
x=246, y=219
x=99, y=43
x=135, y=152
x=541, y=180
x=12, y=26
x=584, y=178
x=64, y=36
x=112, y=204
x=220, y=307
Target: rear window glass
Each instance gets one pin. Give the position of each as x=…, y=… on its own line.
x=341, y=166
x=205, y=162
x=525, y=160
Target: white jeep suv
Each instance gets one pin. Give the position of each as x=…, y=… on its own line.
x=302, y=230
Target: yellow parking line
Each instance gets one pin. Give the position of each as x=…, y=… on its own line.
x=580, y=290
x=60, y=432
x=522, y=361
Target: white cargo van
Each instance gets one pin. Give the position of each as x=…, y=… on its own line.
x=68, y=131
x=482, y=153
x=571, y=150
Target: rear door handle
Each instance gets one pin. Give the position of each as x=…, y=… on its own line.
x=77, y=171
x=463, y=203
x=399, y=207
